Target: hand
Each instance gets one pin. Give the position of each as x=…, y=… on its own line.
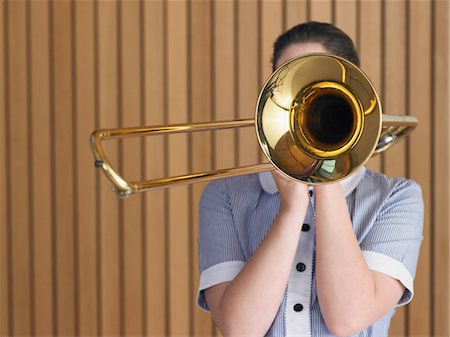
x=293, y=194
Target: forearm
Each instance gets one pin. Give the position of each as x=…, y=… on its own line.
x=346, y=286
x=251, y=301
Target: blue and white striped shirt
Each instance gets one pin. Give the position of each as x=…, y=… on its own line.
x=236, y=213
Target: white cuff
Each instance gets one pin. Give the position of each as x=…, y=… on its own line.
x=393, y=268
x=218, y=273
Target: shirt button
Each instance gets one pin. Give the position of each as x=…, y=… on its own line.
x=310, y=193
x=298, y=307
x=305, y=227
x=301, y=266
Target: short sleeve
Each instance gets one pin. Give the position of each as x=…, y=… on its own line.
x=392, y=245
x=220, y=252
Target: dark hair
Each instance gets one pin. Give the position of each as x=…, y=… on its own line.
x=328, y=35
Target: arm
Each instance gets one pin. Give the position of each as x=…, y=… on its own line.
x=248, y=304
x=351, y=296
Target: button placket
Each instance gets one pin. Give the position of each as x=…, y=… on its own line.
x=298, y=299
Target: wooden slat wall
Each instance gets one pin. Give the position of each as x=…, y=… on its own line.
x=4, y=213
x=74, y=260
x=393, y=95
x=440, y=174
x=200, y=149
x=419, y=150
x=155, y=203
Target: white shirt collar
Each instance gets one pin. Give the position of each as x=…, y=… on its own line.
x=348, y=184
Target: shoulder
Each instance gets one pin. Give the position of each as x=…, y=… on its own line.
x=388, y=187
x=383, y=196
x=240, y=189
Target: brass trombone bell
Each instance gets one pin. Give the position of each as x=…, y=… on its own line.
x=318, y=119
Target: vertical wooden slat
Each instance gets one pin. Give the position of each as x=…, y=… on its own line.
x=131, y=162
x=296, y=12
x=75, y=172
x=370, y=52
x=200, y=110
x=143, y=168
x=393, y=92
x=224, y=79
x=178, y=214
x=224, y=98
x=346, y=17
x=441, y=170
x=420, y=152
x=31, y=161
x=322, y=11
x=4, y=289
x=111, y=303
x=40, y=96
x=393, y=102
x=272, y=27
x=271, y=23
x=63, y=166
x=19, y=168
x=85, y=190
x=121, y=152
x=247, y=77
x=154, y=153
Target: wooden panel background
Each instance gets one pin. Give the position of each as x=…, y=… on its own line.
x=76, y=261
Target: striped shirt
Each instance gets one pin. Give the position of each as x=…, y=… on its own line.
x=236, y=213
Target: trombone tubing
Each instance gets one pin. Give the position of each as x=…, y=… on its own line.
x=105, y=134
x=399, y=120
x=124, y=188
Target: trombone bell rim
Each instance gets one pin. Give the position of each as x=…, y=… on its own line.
x=285, y=109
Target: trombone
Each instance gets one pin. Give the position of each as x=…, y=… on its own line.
x=318, y=119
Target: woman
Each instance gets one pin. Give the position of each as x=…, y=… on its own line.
x=279, y=258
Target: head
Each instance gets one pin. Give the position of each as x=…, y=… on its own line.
x=312, y=37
